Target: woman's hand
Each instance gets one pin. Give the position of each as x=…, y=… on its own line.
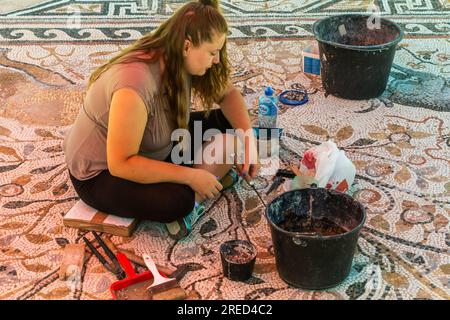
x=204, y=183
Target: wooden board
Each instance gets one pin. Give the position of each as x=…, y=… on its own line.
x=83, y=216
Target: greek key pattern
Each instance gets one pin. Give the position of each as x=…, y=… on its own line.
x=106, y=21
x=232, y=8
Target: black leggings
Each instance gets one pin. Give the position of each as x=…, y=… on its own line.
x=162, y=202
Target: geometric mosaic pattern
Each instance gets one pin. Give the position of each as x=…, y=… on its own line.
x=400, y=144
x=128, y=20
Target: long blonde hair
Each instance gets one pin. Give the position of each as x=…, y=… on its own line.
x=198, y=22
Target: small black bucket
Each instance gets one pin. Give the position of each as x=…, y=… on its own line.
x=356, y=54
x=308, y=258
x=238, y=259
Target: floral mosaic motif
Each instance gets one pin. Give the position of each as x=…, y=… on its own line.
x=10, y=190
x=414, y=214
x=423, y=57
x=367, y=196
x=420, y=89
x=398, y=137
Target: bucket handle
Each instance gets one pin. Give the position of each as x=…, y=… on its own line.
x=299, y=241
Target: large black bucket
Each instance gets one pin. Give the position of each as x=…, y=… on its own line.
x=355, y=55
x=308, y=260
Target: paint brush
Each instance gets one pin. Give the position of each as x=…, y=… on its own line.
x=160, y=284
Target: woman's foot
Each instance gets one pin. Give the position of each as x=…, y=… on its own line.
x=182, y=227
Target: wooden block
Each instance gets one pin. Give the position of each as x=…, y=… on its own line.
x=72, y=262
x=83, y=216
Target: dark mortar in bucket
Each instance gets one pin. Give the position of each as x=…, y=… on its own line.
x=324, y=226
x=356, y=60
x=314, y=233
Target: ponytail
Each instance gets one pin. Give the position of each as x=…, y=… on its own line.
x=212, y=3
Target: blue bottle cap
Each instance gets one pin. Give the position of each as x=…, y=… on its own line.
x=269, y=91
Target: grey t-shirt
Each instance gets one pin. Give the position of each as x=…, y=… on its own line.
x=85, y=143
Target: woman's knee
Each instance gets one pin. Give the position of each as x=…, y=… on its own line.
x=222, y=122
x=220, y=149
x=179, y=202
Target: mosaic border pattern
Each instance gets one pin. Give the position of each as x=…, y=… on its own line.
x=129, y=20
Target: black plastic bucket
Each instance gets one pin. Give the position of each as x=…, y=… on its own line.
x=314, y=261
x=355, y=55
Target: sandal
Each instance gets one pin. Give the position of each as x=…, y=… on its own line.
x=182, y=227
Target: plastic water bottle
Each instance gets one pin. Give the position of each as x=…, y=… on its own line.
x=268, y=109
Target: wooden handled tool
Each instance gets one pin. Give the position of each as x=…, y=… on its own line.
x=163, y=288
x=134, y=258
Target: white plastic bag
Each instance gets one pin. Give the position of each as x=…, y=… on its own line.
x=327, y=167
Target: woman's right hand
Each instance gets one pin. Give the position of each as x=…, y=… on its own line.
x=204, y=183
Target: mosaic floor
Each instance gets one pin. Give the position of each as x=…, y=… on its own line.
x=400, y=144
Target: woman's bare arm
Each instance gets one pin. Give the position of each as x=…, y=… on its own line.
x=126, y=125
